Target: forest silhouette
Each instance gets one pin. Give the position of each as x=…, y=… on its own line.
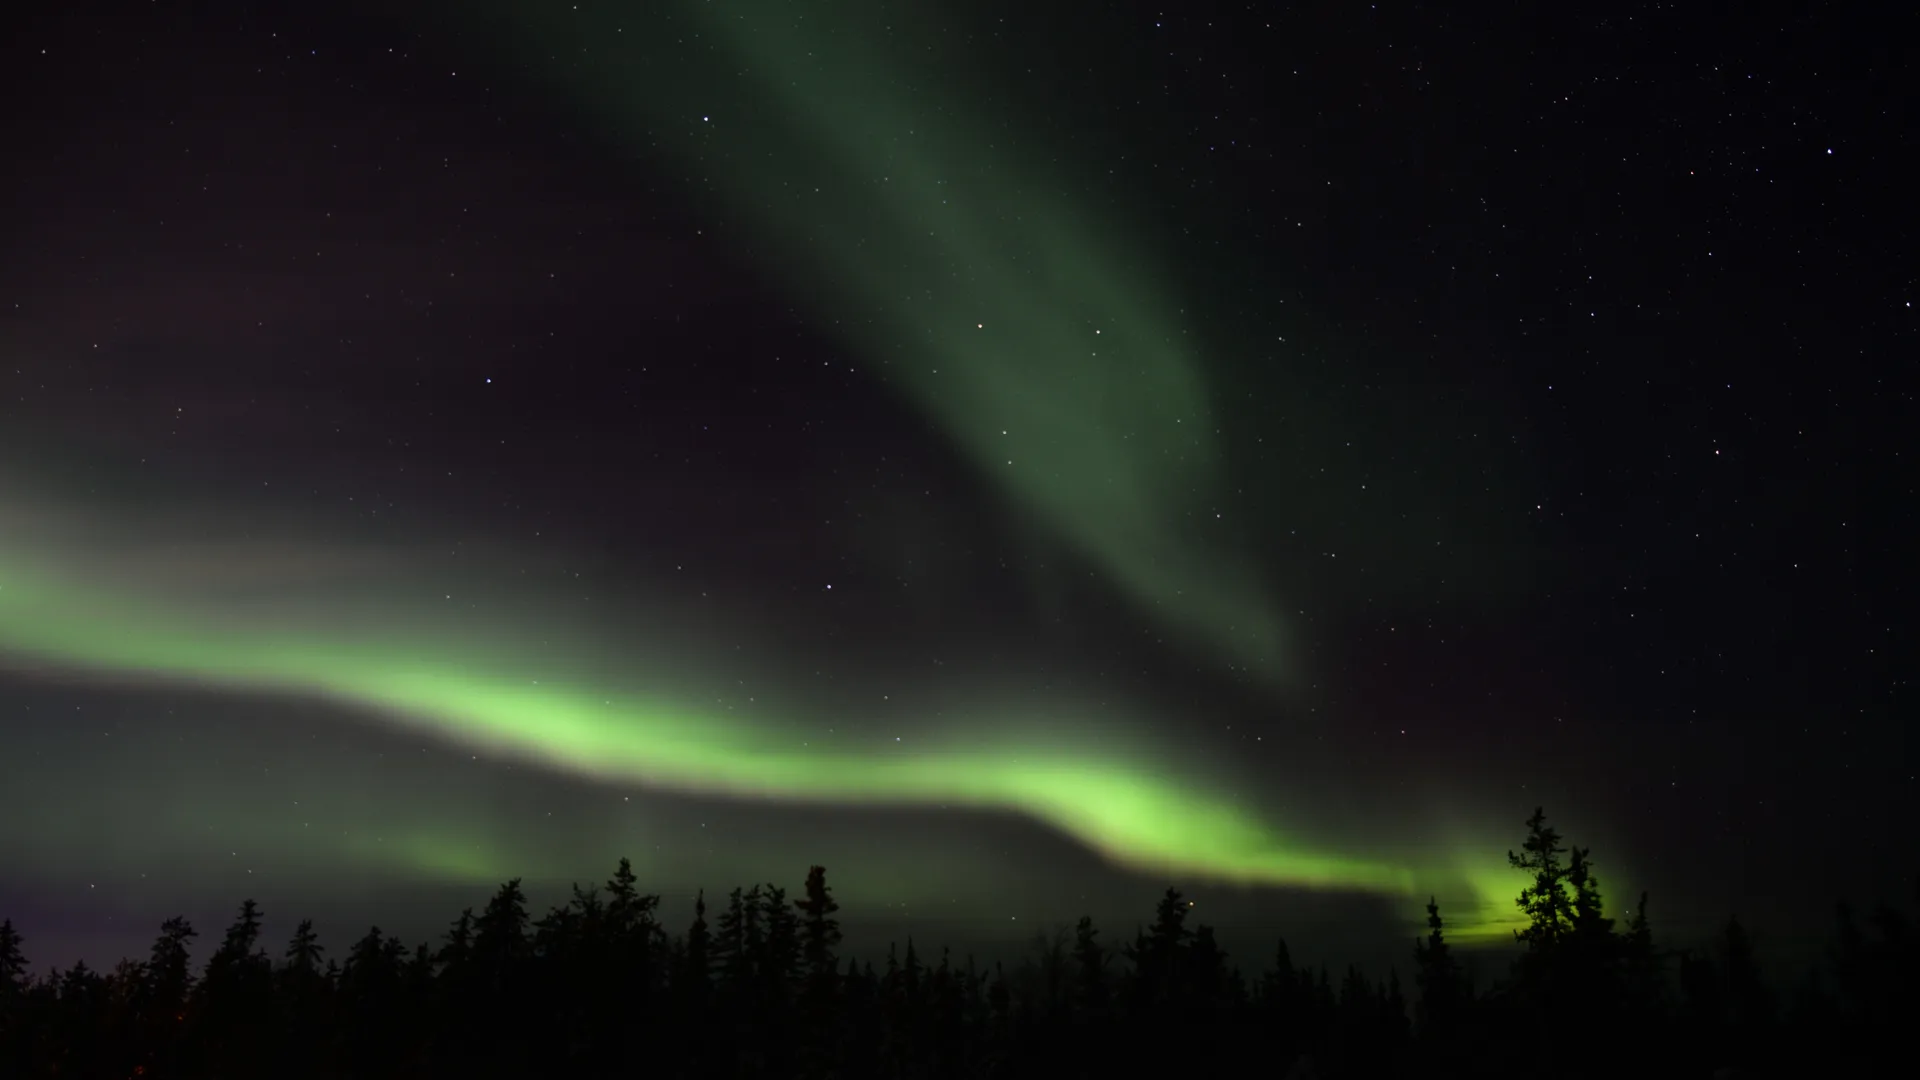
x=755, y=987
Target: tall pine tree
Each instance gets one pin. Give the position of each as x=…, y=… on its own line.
x=1545, y=901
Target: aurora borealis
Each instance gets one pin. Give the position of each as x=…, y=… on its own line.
x=1000, y=306
x=1127, y=809
x=501, y=438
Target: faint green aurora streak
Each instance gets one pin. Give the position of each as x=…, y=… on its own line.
x=1048, y=348
x=998, y=306
x=1119, y=804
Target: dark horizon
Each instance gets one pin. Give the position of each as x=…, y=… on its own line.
x=1319, y=928
x=763, y=982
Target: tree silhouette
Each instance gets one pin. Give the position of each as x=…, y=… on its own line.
x=1437, y=974
x=13, y=963
x=304, y=951
x=503, y=996
x=1545, y=901
x=736, y=941
x=699, y=946
x=13, y=991
x=1206, y=983
x=629, y=912
x=1090, y=966
x=1156, y=952
x=1641, y=971
x=500, y=933
x=1588, y=918
x=303, y=991
x=819, y=993
x=234, y=996
x=169, y=970
x=780, y=944
x=819, y=931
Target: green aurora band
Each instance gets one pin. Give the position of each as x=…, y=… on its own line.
x=1132, y=808
x=1044, y=346
x=1047, y=348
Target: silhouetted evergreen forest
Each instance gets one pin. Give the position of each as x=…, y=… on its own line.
x=599, y=988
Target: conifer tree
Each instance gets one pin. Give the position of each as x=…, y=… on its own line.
x=736, y=940
x=1437, y=974
x=1090, y=964
x=1279, y=984
x=697, y=955
x=235, y=994
x=910, y=973
x=628, y=910
x=780, y=941
x=302, y=986
x=1587, y=918
x=242, y=938
x=304, y=950
x=456, y=950
x=1545, y=900
x=1206, y=978
x=169, y=971
x=999, y=997
x=1394, y=1006
x=1156, y=953
x=237, y=971
x=13, y=962
x=500, y=934
x=819, y=930
x=369, y=964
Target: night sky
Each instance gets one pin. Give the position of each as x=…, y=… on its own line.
x=1018, y=456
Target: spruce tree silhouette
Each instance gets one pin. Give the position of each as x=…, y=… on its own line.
x=1642, y=971
x=736, y=942
x=1540, y=992
x=456, y=949
x=503, y=996
x=169, y=966
x=779, y=962
x=1545, y=900
x=1157, y=953
x=304, y=950
x=14, y=1015
x=1588, y=916
x=1396, y=1025
x=1437, y=975
x=302, y=996
x=233, y=999
x=13, y=963
x=818, y=1039
x=999, y=997
x=820, y=931
x=497, y=1001
x=1090, y=966
x=500, y=940
x=630, y=912
x=369, y=995
x=162, y=1011
x=698, y=954
x=1206, y=983
x=946, y=1042
x=239, y=947
x=1281, y=1002
x=1044, y=976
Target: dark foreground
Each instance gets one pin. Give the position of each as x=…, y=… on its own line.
x=598, y=988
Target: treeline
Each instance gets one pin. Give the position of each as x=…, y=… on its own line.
x=598, y=987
